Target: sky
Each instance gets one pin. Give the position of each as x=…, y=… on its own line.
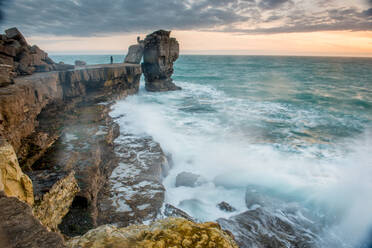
x=239, y=27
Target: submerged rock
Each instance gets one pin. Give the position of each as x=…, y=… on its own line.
x=160, y=53
x=20, y=229
x=12, y=180
x=188, y=179
x=224, y=206
x=171, y=232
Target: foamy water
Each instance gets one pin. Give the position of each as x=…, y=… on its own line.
x=293, y=134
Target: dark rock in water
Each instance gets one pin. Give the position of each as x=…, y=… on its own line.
x=80, y=63
x=224, y=206
x=160, y=53
x=261, y=228
x=135, y=52
x=172, y=211
x=19, y=228
x=188, y=179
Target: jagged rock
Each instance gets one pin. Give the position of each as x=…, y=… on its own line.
x=135, y=53
x=56, y=203
x=188, y=179
x=171, y=232
x=172, y=211
x=13, y=33
x=160, y=52
x=267, y=228
x=13, y=181
x=5, y=75
x=80, y=63
x=20, y=229
x=224, y=206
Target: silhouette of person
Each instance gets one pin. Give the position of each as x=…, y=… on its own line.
x=111, y=59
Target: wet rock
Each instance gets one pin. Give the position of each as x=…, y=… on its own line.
x=56, y=203
x=134, y=192
x=12, y=180
x=80, y=63
x=172, y=211
x=135, y=52
x=188, y=179
x=224, y=206
x=20, y=229
x=160, y=52
x=266, y=228
x=171, y=232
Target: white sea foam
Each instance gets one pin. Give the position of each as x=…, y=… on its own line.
x=229, y=156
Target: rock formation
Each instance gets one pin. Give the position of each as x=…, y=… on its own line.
x=12, y=180
x=188, y=179
x=80, y=63
x=20, y=229
x=160, y=53
x=135, y=52
x=172, y=232
x=19, y=58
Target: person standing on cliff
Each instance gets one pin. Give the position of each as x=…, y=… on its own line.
x=111, y=60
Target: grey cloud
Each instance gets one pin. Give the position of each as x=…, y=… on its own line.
x=272, y=4
x=97, y=17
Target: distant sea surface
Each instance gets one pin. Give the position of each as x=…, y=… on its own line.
x=276, y=133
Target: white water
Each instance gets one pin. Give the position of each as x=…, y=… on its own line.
x=225, y=148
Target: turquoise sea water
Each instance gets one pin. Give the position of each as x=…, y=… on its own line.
x=295, y=131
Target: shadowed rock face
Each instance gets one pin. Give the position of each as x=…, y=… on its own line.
x=160, y=53
x=19, y=228
x=135, y=52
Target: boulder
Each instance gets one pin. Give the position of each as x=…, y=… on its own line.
x=13, y=33
x=20, y=229
x=172, y=211
x=224, y=206
x=13, y=181
x=63, y=67
x=8, y=50
x=160, y=52
x=80, y=63
x=5, y=75
x=171, y=232
x=188, y=179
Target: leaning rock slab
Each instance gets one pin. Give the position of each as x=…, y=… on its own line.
x=160, y=53
x=56, y=203
x=12, y=179
x=171, y=232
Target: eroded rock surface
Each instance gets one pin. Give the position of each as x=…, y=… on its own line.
x=171, y=232
x=160, y=52
x=12, y=180
x=134, y=192
x=20, y=229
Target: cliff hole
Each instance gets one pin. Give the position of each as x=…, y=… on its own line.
x=80, y=202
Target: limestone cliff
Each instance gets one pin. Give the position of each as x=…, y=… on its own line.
x=170, y=232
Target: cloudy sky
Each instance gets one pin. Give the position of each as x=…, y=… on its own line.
x=300, y=27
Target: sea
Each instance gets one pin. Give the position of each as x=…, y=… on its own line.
x=288, y=136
